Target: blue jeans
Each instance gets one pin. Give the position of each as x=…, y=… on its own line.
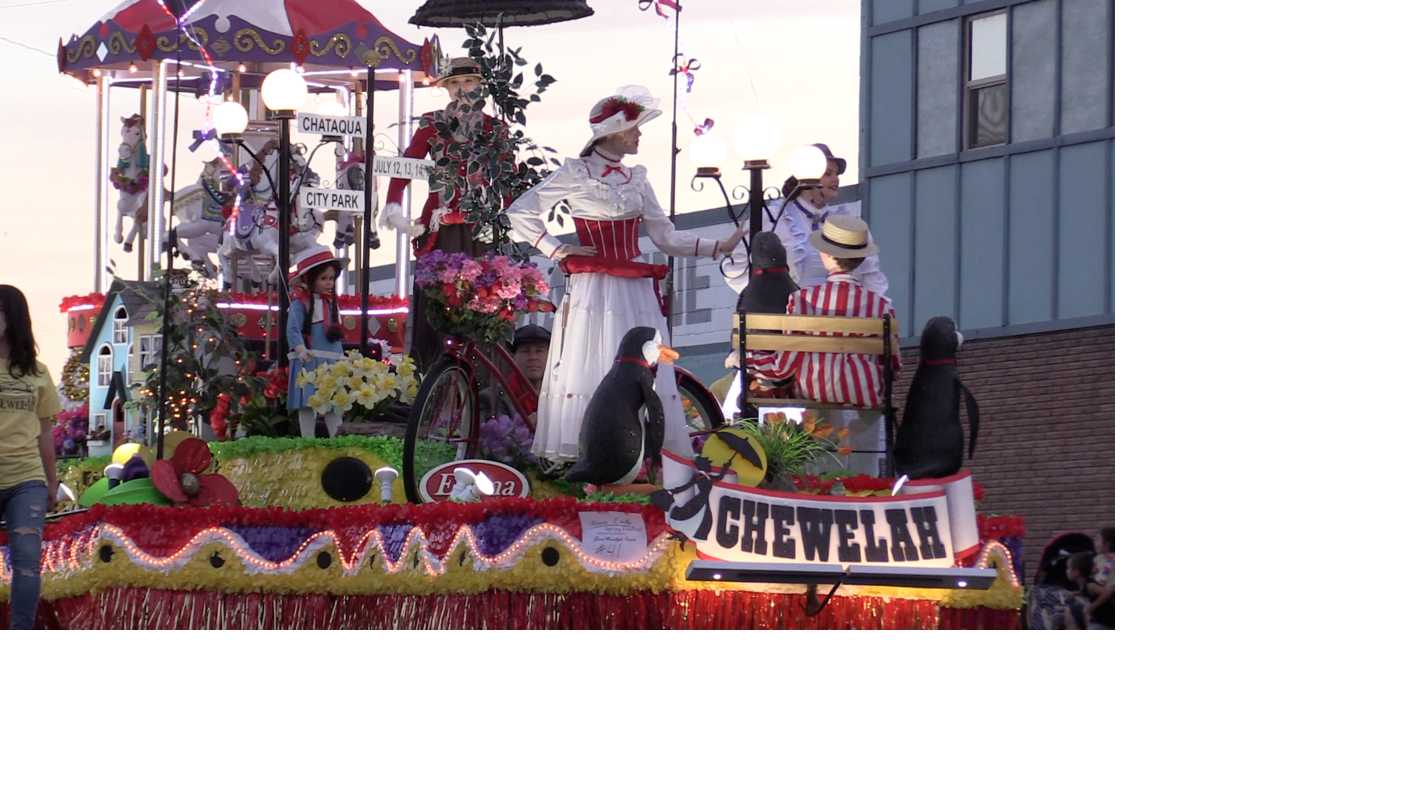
x=23, y=508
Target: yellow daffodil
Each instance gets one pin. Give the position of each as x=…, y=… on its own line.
x=366, y=396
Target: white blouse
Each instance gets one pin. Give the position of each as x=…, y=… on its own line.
x=599, y=188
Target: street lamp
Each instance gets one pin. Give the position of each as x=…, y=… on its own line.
x=283, y=92
x=756, y=139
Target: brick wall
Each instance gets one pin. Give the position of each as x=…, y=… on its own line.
x=1046, y=429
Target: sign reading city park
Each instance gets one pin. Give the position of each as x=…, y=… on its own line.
x=322, y=125
x=400, y=167
x=931, y=524
x=437, y=484
x=315, y=197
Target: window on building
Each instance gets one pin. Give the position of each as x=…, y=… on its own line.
x=105, y=368
x=101, y=420
x=147, y=352
x=986, y=84
x=121, y=327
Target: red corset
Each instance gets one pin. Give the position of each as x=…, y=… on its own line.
x=616, y=239
x=617, y=245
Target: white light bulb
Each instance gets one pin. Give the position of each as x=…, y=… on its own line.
x=284, y=90
x=230, y=118
x=808, y=163
x=708, y=150
x=332, y=108
x=756, y=137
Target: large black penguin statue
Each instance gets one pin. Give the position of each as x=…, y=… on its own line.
x=624, y=419
x=770, y=284
x=930, y=440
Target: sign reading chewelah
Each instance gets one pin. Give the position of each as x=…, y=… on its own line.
x=755, y=526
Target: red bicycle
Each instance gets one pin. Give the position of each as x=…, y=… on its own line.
x=445, y=419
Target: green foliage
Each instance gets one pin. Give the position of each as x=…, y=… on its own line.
x=76, y=376
x=205, y=355
x=790, y=446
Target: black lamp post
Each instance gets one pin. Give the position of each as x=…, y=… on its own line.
x=283, y=92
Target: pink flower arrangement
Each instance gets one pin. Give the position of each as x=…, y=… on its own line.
x=477, y=299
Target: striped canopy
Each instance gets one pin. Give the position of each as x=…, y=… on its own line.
x=327, y=33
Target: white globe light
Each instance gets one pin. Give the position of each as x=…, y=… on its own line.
x=230, y=118
x=332, y=108
x=284, y=90
x=808, y=163
x=708, y=150
x=756, y=137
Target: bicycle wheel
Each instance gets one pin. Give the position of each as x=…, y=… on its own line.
x=442, y=426
x=703, y=411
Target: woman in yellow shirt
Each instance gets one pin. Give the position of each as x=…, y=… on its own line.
x=29, y=484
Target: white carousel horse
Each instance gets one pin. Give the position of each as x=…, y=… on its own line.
x=199, y=209
x=351, y=174
x=250, y=250
x=130, y=177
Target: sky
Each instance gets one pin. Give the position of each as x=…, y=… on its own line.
x=797, y=61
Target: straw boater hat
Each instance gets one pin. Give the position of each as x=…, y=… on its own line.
x=312, y=257
x=625, y=109
x=457, y=67
x=844, y=236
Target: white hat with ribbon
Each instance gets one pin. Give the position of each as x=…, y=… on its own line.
x=623, y=110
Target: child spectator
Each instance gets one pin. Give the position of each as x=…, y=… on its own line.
x=1075, y=614
x=1100, y=611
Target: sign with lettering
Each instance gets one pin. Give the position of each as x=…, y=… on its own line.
x=932, y=525
x=313, y=197
x=614, y=536
x=322, y=125
x=437, y=484
x=399, y=167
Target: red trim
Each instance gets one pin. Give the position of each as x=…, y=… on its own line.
x=928, y=482
x=632, y=359
x=540, y=239
x=783, y=270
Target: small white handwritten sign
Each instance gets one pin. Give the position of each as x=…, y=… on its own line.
x=398, y=167
x=614, y=536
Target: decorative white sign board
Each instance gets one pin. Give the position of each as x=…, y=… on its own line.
x=312, y=197
x=614, y=536
x=322, y=125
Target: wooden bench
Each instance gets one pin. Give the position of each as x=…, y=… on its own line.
x=809, y=333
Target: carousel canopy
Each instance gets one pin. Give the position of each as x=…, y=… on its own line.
x=333, y=33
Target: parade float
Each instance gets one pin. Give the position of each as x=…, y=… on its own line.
x=449, y=523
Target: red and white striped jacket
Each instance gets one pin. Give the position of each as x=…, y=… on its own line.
x=851, y=378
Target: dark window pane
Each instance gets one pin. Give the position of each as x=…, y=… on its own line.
x=988, y=115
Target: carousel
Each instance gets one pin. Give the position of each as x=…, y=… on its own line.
x=422, y=507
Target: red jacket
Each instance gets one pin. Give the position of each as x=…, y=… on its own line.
x=424, y=144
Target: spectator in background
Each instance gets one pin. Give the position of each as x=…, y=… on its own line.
x=530, y=348
x=1100, y=610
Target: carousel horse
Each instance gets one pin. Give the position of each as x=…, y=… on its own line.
x=351, y=174
x=202, y=211
x=251, y=248
x=130, y=177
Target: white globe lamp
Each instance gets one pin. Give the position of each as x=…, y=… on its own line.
x=708, y=151
x=284, y=91
x=230, y=118
x=808, y=164
x=756, y=139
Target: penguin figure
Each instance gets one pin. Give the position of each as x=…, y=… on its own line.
x=770, y=283
x=624, y=419
x=930, y=440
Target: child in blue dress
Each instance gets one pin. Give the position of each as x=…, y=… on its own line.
x=314, y=330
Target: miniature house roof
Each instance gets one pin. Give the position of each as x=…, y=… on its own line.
x=134, y=296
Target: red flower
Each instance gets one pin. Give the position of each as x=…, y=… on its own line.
x=179, y=480
x=613, y=105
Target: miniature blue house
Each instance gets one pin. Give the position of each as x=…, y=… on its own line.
x=122, y=347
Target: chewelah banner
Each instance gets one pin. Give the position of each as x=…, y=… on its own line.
x=931, y=524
